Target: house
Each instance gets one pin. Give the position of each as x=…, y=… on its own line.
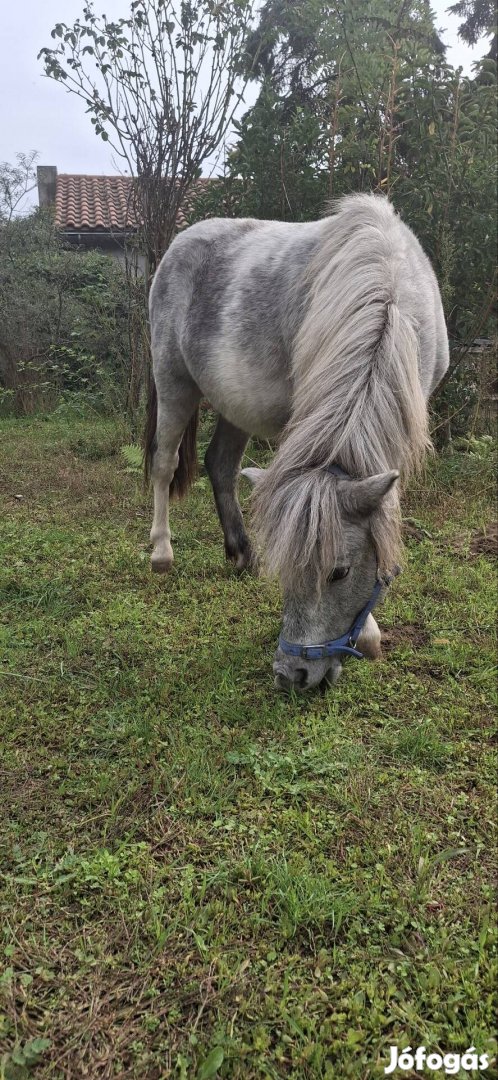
x=94, y=212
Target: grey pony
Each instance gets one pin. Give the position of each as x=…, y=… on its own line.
x=331, y=336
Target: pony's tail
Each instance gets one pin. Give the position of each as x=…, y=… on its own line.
x=149, y=439
x=186, y=470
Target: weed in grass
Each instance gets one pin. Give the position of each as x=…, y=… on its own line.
x=416, y=743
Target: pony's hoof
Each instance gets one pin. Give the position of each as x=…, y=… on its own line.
x=369, y=641
x=371, y=649
x=243, y=559
x=161, y=561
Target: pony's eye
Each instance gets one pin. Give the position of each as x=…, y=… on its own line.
x=339, y=573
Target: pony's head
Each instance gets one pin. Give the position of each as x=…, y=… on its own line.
x=327, y=538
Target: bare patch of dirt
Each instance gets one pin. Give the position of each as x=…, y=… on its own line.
x=415, y=530
x=485, y=541
x=482, y=542
x=407, y=634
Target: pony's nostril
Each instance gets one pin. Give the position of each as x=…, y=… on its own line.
x=286, y=678
x=282, y=682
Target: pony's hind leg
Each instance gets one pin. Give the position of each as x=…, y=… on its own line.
x=222, y=462
x=173, y=461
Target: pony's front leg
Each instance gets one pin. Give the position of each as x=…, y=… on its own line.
x=175, y=445
x=369, y=639
x=222, y=461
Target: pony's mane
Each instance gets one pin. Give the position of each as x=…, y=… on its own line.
x=357, y=398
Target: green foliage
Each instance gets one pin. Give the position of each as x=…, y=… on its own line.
x=210, y=1066
x=482, y=448
x=449, y=142
x=63, y=320
x=134, y=457
x=479, y=19
x=18, y=1063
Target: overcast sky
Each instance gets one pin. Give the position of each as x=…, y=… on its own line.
x=38, y=114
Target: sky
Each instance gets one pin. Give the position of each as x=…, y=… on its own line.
x=38, y=114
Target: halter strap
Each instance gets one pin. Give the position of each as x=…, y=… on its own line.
x=345, y=644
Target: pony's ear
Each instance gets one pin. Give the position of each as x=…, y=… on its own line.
x=253, y=475
x=362, y=497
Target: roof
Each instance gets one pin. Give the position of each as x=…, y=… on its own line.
x=94, y=202
x=99, y=203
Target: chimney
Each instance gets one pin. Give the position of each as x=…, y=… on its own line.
x=46, y=176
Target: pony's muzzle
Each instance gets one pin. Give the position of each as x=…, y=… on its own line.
x=294, y=673
x=288, y=677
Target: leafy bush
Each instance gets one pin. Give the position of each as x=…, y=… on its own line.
x=63, y=320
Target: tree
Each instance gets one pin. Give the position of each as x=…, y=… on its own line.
x=16, y=181
x=336, y=77
x=161, y=86
x=479, y=20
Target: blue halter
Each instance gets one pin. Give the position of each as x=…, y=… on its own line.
x=347, y=643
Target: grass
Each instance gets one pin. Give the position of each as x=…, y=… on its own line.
x=199, y=877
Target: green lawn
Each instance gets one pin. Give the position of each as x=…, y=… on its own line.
x=201, y=877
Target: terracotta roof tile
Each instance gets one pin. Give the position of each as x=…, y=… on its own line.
x=94, y=202
x=100, y=203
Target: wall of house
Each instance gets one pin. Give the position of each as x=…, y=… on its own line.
x=136, y=259
x=107, y=244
